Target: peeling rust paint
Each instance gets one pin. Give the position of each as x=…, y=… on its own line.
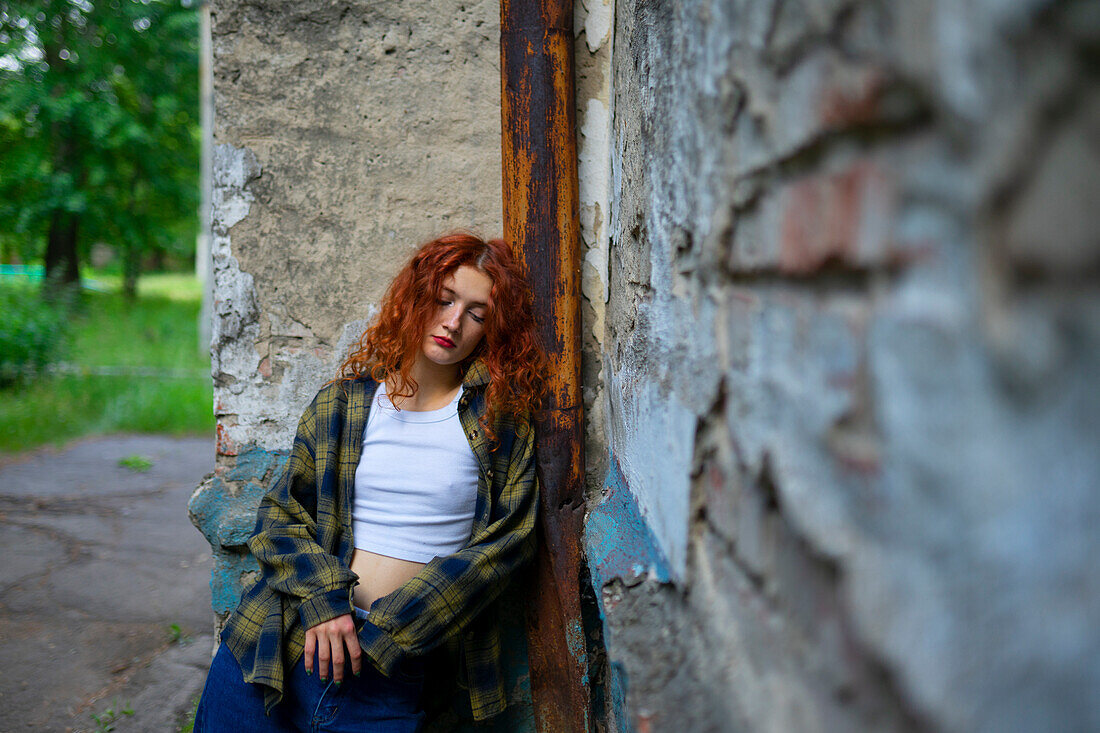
x=542, y=224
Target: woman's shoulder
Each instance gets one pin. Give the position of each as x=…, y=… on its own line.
x=512, y=426
x=337, y=394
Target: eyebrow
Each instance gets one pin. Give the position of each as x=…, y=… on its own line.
x=472, y=305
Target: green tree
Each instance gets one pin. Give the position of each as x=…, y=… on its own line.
x=99, y=133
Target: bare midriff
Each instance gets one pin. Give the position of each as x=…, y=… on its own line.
x=379, y=575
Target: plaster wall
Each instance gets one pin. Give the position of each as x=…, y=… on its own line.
x=345, y=134
x=849, y=364
x=593, y=43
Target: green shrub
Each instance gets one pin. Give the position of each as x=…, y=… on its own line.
x=132, y=362
x=33, y=330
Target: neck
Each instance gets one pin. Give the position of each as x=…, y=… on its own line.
x=434, y=377
x=436, y=384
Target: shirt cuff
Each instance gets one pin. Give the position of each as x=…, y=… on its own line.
x=380, y=647
x=324, y=606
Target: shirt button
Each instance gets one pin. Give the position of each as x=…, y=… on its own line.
x=489, y=473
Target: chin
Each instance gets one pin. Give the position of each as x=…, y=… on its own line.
x=444, y=359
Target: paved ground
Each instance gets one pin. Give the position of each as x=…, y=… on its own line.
x=96, y=564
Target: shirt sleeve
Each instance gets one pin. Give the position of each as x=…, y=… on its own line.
x=450, y=591
x=285, y=541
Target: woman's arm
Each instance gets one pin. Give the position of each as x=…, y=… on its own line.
x=450, y=591
x=285, y=541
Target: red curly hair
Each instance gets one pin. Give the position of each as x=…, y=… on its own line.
x=510, y=347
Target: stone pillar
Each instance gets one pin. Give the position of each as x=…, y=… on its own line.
x=345, y=134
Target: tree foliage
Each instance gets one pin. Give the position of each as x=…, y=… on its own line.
x=99, y=129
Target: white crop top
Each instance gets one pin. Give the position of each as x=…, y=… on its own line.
x=416, y=482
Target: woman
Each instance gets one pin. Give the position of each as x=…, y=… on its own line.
x=408, y=501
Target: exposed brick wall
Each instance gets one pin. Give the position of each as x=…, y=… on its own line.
x=850, y=357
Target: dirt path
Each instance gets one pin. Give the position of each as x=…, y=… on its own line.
x=98, y=563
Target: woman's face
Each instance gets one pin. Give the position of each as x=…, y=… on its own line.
x=459, y=322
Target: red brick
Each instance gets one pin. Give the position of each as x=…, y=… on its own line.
x=226, y=445
x=842, y=217
x=853, y=99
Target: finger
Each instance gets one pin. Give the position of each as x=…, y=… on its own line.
x=355, y=652
x=311, y=643
x=337, y=659
x=323, y=655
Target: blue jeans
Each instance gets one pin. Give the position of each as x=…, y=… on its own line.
x=370, y=702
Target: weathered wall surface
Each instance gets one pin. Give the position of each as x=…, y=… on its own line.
x=592, y=52
x=592, y=57
x=851, y=358
x=345, y=134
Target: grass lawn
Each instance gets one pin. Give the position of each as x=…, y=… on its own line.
x=156, y=336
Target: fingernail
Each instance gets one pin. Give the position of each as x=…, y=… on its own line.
x=338, y=682
x=359, y=672
x=309, y=671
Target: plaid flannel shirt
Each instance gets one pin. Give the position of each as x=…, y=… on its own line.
x=304, y=543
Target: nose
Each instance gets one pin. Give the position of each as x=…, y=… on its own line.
x=451, y=319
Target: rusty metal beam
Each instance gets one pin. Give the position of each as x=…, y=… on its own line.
x=540, y=221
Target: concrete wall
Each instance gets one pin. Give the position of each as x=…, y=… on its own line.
x=345, y=134
x=850, y=363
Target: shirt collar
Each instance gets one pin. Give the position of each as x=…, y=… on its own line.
x=477, y=374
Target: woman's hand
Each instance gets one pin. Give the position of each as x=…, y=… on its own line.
x=326, y=641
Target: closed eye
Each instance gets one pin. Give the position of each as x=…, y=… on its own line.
x=477, y=319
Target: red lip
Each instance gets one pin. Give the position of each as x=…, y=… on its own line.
x=444, y=342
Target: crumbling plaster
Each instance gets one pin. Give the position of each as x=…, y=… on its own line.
x=592, y=57
x=327, y=185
